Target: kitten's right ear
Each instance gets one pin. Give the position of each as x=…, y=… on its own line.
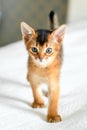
x=27, y=31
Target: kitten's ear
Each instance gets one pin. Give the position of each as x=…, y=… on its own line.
x=27, y=31
x=58, y=34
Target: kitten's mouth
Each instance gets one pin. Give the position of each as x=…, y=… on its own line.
x=40, y=59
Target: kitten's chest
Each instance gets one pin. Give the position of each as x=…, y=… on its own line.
x=40, y=78
x=39, y=75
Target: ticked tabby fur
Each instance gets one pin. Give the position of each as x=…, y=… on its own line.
x=44, y=64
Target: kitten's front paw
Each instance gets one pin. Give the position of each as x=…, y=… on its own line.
x=56, y=118
x=37, y=105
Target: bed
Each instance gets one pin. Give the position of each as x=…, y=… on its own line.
x=16, y=97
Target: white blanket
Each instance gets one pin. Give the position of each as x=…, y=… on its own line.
x=16, y=97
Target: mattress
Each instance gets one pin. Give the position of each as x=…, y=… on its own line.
x=16, y=96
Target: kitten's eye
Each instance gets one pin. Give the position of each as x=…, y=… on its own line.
x=34, y=49
x=49, y=50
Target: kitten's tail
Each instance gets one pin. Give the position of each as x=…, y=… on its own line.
x=53, y=20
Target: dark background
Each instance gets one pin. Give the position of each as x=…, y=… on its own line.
x=34, y=12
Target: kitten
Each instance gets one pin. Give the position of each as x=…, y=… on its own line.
x=44, y=64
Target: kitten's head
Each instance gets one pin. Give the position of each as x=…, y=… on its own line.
x=43, y=45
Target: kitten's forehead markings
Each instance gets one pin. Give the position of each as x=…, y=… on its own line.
x=47, y=44
x=36, y=43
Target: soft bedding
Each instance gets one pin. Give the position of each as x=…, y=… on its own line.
x=16, y=97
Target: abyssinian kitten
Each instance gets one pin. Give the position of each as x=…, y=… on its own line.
x=44, y=64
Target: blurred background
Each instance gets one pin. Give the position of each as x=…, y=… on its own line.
x=35, y=13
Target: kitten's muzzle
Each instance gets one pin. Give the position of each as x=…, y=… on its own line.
x=40, y=59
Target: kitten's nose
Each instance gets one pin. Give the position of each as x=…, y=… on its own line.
x=41, y=57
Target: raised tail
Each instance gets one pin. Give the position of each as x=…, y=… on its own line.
x=53, y=20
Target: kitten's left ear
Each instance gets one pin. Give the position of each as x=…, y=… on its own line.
x=58, y=34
